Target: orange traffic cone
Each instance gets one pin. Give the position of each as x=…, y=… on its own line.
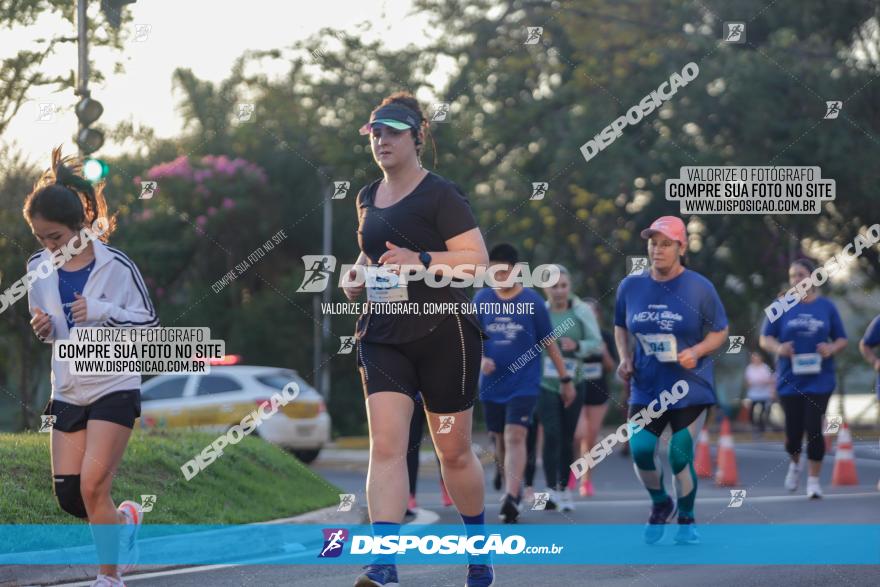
x=844, y=463
x=703, y=458
x=744, y=416
x=726, y=476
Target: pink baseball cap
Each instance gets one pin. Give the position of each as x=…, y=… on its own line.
x=669, y=226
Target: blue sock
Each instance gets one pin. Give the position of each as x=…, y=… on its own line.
x=386, y=529
x=476, y=525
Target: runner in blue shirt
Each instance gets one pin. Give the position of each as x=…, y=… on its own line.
x=805, y=339
x=519, y=328
x=867, y=346
x=678, y=320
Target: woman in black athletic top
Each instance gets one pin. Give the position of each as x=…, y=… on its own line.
x=413, y=217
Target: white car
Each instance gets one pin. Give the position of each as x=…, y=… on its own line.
x=219, y=400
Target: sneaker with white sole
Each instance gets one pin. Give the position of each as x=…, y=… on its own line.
x=793, y=477
x=814, y=491
x=128, y=547
x=107, y=581
x=566, y=504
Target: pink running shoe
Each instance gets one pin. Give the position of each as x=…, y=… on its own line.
x=586, y=489
x=444, y=495
x=128, y=548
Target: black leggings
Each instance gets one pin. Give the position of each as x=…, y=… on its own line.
x=559, y=427
x=531, y=452
x=803, y=414
x=416, y=429
x=760, y=421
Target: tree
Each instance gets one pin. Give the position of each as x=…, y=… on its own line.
x=22, y=72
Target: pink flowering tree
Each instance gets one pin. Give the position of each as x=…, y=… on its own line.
x=208, y=213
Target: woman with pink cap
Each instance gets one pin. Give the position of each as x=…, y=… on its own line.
x=678, y=321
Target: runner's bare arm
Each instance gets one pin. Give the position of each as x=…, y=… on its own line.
x=869, y=355
x=467, y=248
x=712, y=342
x=353, y=292
x=774, y=347
x=621, y=339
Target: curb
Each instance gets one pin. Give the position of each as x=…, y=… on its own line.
x=21, y=575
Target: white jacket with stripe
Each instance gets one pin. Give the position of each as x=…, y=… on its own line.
x=116, y=296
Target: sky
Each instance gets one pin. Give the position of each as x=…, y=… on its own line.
x=205, y=36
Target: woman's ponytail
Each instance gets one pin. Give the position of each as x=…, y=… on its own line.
x=62, y=195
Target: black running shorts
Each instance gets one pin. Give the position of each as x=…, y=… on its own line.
x=443, y=365
x=119, y=407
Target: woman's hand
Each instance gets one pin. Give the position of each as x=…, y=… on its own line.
x=353, y=292
x=825, y=349
x=785, y=349
x=398, y=256
x=41, y=323
x=688, y=358
x=567, y=344
x=625, y=370
x=487, y=366
x=568, y=393
x=79, y=309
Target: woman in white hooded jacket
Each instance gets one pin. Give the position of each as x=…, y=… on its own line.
x=92, y=415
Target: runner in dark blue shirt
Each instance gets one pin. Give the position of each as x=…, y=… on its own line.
x=868, y=346
x=678, y=320
x=805, y=339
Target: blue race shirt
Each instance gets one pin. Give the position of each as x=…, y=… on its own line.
x=513, y=336
x=667, y=317
x=872, y=339
x=69, y=284
x=806, y=325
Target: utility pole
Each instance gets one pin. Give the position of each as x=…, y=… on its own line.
x=321, y=331
x=82, y=51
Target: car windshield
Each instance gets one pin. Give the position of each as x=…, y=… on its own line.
x=279, y=379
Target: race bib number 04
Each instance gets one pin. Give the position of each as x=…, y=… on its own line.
x=550, y=368
x=806, y=364
x=661, y=346
x=383, y=285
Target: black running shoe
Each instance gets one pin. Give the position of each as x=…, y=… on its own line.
x=509, y=510
x=661, y=514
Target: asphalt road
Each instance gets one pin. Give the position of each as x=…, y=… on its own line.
x=618, y=500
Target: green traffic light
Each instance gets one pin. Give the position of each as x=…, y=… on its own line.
x=95, y=170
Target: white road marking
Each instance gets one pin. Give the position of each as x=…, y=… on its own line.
x=423, y=516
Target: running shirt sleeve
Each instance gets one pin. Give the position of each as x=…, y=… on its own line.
x=35, y=301
x=771, y=328
x=591, y=344
x=543, y=326
x=138, y=311
x=836, y=329
x=712, y=310
x=620, y=305
x=872, y=334
x=454, y=215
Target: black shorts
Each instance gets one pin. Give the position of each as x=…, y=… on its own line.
x=444, y=366
x=679, y=419
x=594, y=392
x=119, y=407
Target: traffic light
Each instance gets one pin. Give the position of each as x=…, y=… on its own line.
x=88, y=111
x=95, y=170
